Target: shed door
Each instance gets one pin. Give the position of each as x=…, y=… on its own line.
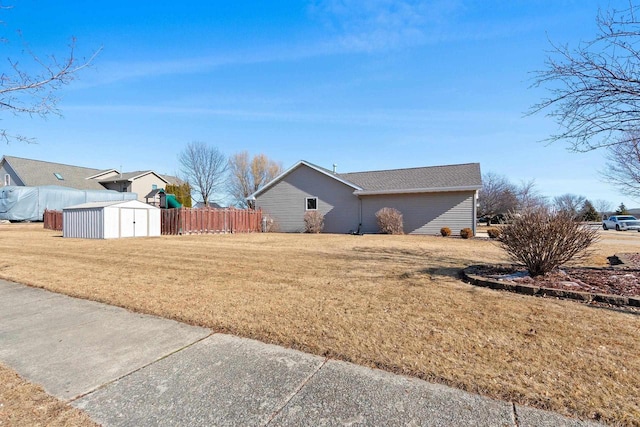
x=141, y=228
x=127, y=222
x=133, y=222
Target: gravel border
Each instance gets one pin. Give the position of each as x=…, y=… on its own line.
x=468, y=274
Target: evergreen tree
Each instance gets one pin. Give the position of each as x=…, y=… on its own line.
x=622, y=210
x=589, y=212
x=182, y=193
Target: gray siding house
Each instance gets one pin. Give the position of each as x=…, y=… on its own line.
x=429, y=198
x=32, y=173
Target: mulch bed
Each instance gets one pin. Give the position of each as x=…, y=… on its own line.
x=615, y=286
x=612, y=281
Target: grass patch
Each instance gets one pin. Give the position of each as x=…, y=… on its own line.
x=392, y=302
x=25, y=404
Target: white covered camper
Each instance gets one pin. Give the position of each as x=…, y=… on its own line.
x=111, y=220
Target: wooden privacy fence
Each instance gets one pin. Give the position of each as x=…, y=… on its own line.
x=190, y=221
x=209, y=220
x=53, y=220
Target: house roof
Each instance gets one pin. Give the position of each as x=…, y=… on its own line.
x=417, y=180
x=36, y=172
x=102, y=172
x=130, y=176
x=174, y=180
x=399, y=181
x=296, y=166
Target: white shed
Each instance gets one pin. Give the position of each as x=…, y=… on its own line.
x=111, y=220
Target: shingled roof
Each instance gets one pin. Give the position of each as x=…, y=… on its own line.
x=463, y=177
x=130, y=176
x=430, y=178
x=37, y=172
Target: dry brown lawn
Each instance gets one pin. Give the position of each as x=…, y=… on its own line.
x=392, y=302
x=24, y=404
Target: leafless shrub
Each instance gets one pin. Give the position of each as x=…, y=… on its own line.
x=445, y=231
x=466, y=233
x=272, y=225
x=313, y=222
x=493, y=232
x=543, y=240
x=389, y=221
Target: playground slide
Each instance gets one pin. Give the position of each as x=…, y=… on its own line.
x=172, y=202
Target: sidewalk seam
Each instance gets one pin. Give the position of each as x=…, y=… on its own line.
x=296, y=391
x=514, y=415
x=101, y=386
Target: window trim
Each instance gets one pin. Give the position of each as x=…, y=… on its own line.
x=306, y=203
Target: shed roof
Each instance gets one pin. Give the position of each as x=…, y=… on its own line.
x=96, y=205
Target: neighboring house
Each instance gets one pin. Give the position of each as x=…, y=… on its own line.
x=429, y=198
x=27, y=172
x=140, y=182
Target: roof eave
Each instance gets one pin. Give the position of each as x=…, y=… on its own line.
x=104, y=172
x=416, y=190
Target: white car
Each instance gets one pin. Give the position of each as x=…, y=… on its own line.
x=621, y=223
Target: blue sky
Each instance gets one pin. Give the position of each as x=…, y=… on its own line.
x=364, y=84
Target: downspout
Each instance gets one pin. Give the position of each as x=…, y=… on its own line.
x=475, y=211
x=360, y=215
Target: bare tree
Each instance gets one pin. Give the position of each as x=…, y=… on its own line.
x=205, y=169
x=24, y=93
x=569, y=203
x=497, y=196
x=529, y=197
x=623, y=166
x=248, y=176
x=594, y=88
x=602, y=206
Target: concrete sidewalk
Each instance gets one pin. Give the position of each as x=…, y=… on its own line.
x=124, y=368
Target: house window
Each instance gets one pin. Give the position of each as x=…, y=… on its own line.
x=312, y=203
x=7, y=179
x=57, y=175
x=154, y=186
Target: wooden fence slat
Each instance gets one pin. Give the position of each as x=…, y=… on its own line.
x=204, y=221
x=190, y=221
x=52, y=220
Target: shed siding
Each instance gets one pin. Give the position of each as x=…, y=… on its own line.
x=83, y=223
x=111, y=222
x=285, y=201
x=423, y=213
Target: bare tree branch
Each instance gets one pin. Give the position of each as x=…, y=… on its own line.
x=595, y=88
x=35, y=94
x=623, y=166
